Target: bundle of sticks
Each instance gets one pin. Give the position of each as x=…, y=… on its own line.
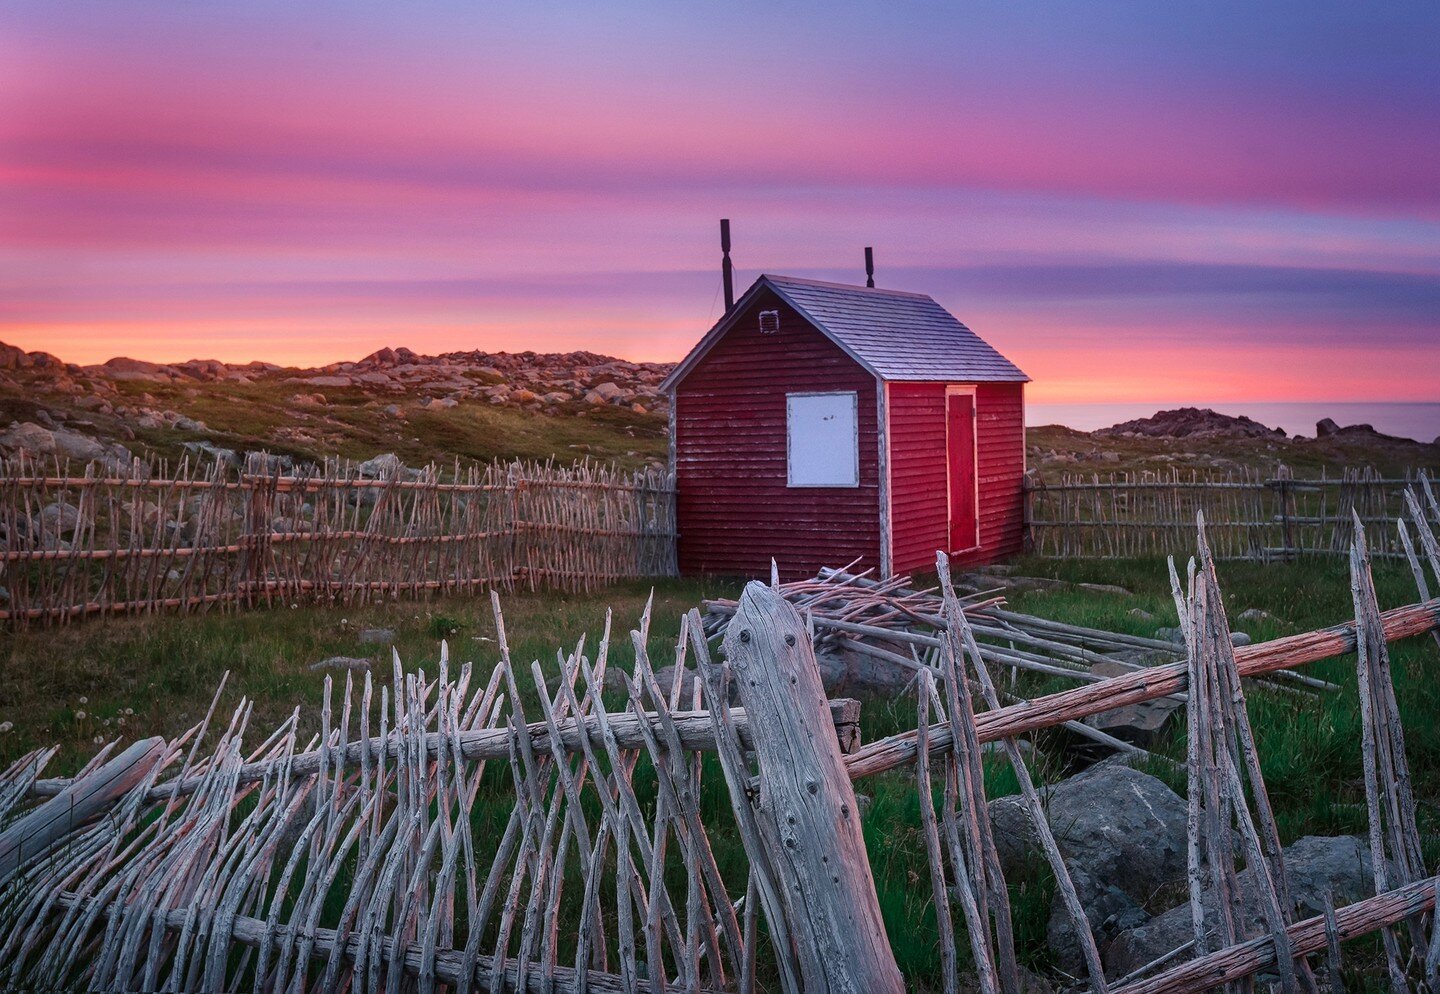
x=896, y=623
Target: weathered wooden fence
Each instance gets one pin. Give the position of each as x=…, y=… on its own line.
x=1248, y=515
x=96, y=541
x=448, y=835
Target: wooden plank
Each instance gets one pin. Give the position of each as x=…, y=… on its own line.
x=805, y=808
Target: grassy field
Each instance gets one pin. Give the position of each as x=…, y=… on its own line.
x=73, y=685
x=352, y=424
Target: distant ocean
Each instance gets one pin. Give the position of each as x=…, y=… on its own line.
x=1420, y=421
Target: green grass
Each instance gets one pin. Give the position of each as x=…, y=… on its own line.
x=1300, y=738
x=165, y=670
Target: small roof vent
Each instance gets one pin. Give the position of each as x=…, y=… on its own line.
x=769, y=322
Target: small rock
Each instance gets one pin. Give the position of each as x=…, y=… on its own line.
x=665, y=680
x=219, y=454
x=1255, y=614
x=77, y=446
x=377, y=636
x=59, y=516
x=1139, y=724
x=1105, y=588
x=1177, y=636
x=342, y=663
x=1141, y=613
x=381, y=467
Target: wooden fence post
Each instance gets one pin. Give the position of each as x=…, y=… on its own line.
x=804, y=808
x=1027, y=513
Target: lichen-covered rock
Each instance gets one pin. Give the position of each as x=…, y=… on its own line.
x=28, y=437
x=1122, y=835
x=1315, y=865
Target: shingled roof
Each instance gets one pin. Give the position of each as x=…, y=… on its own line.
x=894, y=334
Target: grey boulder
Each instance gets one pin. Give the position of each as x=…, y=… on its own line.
x=1122, y=835
x=1315, y=865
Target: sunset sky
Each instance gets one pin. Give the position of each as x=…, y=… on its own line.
x=1143, y=201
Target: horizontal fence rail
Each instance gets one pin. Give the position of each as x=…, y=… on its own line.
x=1247, y=515
x=85, y=542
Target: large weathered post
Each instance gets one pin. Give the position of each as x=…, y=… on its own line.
x=804, y=809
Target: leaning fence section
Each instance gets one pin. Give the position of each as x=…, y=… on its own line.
x=536, y=832
x=146, y=539
x=1248, y=515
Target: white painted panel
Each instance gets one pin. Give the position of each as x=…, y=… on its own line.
x=823, y=439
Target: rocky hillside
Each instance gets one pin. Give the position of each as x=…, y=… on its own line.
x=1201, y=439
x=476, y=405
x=483, y=405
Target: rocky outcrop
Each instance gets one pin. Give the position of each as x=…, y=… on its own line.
x=1327, y=428
x=33, y=439
x=1190, y=422
x=89, y=413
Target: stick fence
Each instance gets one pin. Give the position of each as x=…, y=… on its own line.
x=148, y=539
x=1247, y=515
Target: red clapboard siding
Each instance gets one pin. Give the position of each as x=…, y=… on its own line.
x=918, y=505
x=1000, y=424
x=734, y=508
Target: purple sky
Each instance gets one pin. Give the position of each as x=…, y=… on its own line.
x=1132, y=201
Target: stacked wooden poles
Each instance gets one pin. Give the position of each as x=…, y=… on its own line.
x=1395, y=852
x=1222, y=760
x=1405, y=892
x=1425, y=531
x=803, y=823
x=355, y=860
x=1144, y=685
x=958, y=646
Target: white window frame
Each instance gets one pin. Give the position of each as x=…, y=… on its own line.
x=854, y=483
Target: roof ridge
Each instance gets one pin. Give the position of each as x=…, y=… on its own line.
x=778, y=277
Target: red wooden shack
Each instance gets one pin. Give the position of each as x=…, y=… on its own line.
x=818, y=423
